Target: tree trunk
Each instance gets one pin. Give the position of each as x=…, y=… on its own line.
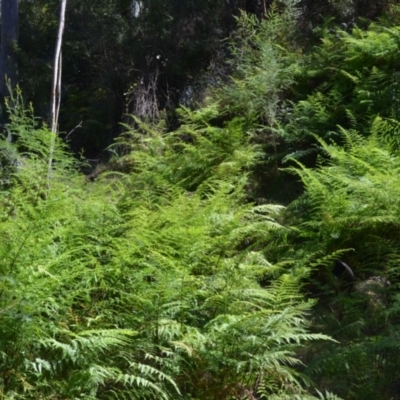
x=56, y=85
x=56, y=88
x=9, y=42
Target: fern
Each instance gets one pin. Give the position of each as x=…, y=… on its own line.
x=350, y=211
x=145, y=284
x=350, y=80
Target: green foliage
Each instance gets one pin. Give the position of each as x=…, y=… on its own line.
x=347, y=200
x=265, y=61
x=162, y=280
x=144, y=285
x=264, y=65
x=194, y=153
x=350, y=210
x=349, y=80
x=49, y=249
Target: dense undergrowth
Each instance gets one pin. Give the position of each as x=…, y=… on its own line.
x=144, y=285
x=178, y=276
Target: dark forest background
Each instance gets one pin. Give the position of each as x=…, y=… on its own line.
x=145, y=58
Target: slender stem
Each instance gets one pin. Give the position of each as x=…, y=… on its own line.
x=58, y=100
x=56, y=88
x=55, y=95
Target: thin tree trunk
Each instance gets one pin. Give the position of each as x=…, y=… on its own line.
x=56, y=88
x=9, y=43
x=56, y=85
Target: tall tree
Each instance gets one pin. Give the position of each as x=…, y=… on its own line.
x=9, y=40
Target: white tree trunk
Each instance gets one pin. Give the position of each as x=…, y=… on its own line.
x=56, y=85
x=56, y=89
